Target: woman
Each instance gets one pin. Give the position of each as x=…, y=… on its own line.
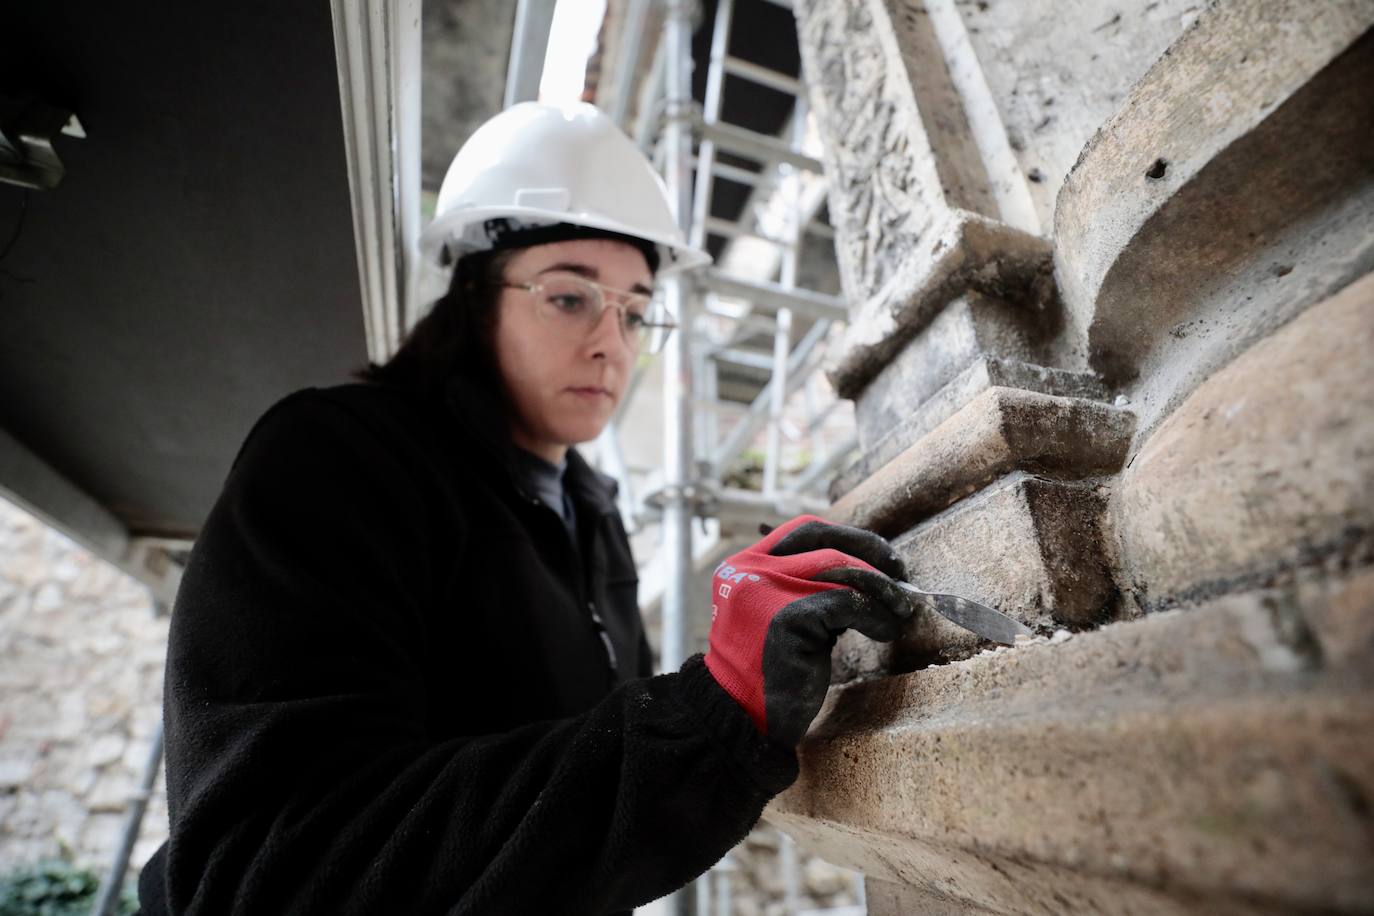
x=406, y=671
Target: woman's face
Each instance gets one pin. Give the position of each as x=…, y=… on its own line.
x=563, y=387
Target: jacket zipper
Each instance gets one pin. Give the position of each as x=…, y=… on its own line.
x=579, y=585
x=605, y=636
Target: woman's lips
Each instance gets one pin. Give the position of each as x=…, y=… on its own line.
x=591, y=392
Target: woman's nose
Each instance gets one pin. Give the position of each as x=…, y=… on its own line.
x=607, y=337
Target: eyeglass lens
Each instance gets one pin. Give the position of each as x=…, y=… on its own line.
x=577, y=305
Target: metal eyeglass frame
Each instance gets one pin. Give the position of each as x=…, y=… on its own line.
x=654, y=333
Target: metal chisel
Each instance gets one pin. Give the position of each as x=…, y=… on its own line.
x=972, y=616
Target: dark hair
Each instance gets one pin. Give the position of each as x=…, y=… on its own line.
x=455, y=337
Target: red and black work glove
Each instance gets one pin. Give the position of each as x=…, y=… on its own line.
x=779, y=606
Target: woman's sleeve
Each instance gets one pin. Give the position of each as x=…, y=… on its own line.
x=300, y=776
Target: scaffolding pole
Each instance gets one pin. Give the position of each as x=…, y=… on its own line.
x=107, y=898
x=679, y=491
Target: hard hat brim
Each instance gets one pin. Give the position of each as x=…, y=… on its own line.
x=451, y=230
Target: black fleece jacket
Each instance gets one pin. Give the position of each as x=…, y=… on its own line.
x=387, y=690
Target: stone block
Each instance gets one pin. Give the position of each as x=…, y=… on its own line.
x=106, y=748
x=1028, y=547
x=881, y=162
x=962, y=252
x=112, y=791
x=1267, y=466
x=1231, y=190
x=1188, y=761
x=925, y=194
x=983, y=373
x=15, y=771
x=100, y=835
x=1053, y=85
x=1335, y=615
x=970, y=326
x=48, y=598
x=999, y=431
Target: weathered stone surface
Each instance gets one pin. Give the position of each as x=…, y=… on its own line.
x=1268, y=465
x=112, y=790
x=972, y=325
x=962, y=252
x=1211, y=760
x=1145, y=767
x=1339, y=628
x=71, y=748
x=606, y=69
x=104, y=749
x=1056, y=71
x=999, y=431
x=1231, y=191
x=1028, y=547
x=983, y=373
x=926, y=191
x=886, y=195
x=15, y=771
x=887, y=898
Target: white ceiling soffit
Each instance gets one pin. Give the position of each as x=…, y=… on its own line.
x=377, y=46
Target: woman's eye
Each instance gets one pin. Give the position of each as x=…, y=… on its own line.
x=568, y=302
x=634, y=321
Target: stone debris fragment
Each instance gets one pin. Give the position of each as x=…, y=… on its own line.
x=1060, y=636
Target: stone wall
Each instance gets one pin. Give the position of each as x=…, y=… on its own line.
x=1109, y=270
x=81, y=658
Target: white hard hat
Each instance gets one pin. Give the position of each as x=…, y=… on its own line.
x=537, y=165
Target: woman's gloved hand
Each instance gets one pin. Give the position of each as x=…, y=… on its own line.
x=779, y=606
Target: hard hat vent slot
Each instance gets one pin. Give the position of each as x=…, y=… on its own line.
x=543, y=198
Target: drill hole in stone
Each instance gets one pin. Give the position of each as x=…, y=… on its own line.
x=1157, y=170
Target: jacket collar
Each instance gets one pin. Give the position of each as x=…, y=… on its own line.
x=483, y=417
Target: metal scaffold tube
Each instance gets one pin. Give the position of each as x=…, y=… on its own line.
x=679, y=491
x=107, y=898
x=715, y=86
x=736, y=307
x=777, y=401
x=677, y=365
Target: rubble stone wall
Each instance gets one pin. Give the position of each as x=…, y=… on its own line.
x=81, y=659
x=1111, y=282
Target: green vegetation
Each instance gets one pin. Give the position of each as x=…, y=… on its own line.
x=55, y=888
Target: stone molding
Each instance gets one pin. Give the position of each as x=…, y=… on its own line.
x=886, y=191
x=983, y=373
x=969, y=326
x=1029, y=546
x=1001, y=430
x=963, y=252
x=1144, y=767
x=1255, y=116
x=1265, y=466
x=1206, y=747
x=918, y=221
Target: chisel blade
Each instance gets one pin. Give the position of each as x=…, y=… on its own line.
x=972, y=616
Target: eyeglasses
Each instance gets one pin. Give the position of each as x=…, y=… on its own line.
x=575, y=305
